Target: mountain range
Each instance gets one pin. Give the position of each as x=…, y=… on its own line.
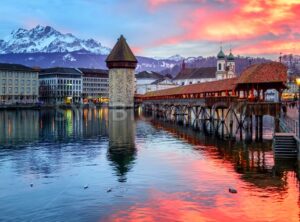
x=44, y=46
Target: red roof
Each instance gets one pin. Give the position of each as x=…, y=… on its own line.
x=214, y=86
x=264, y=73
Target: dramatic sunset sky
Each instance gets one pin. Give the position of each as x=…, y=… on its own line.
x=167, y=27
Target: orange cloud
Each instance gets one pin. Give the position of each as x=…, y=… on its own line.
x=243, y=20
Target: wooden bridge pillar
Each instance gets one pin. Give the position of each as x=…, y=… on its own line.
x=196, y=127
x=256, y=127
x=231, y=123
x=189, y=116
x=260, y=127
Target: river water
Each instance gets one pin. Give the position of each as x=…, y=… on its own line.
x=101, y=165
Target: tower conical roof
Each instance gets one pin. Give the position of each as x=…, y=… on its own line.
x=121, y=52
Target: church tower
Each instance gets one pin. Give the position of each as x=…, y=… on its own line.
x=221, y=65
x=230, y=66
x=121, y=63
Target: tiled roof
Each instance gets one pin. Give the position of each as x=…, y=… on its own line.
x=214, y=86
x=149, y=75
x=197, y=73
x=16, y=67
x=121, y=52
x=264, y=73
x=61, y=70
x=161, y=80
x=101, y=73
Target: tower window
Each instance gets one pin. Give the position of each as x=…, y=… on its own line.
x=220, y=66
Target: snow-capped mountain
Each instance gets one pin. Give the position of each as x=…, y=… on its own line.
x=48, y=40
x=46, y=47
x=175, y=58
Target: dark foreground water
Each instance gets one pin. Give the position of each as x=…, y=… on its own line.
x=92, y=165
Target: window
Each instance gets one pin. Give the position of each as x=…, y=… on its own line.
x=10, y=82
x=28, y=90
x=34, y=82
x=16, y=81
x=33, y=75
x=10, y=90
x=3, y=81
x=3, y=89
x=22, y=90
x=220, y=66
x=28, y=82
x=191, y=83
x=182, y=83
x=16, y=75
x=22, y=82
x=10, y=74
x=16, y=90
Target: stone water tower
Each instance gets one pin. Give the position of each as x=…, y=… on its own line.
x=121, y=63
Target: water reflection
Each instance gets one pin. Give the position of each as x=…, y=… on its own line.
x=21, y=126
x=157, y=171
x=254, y=161
x=122, y=150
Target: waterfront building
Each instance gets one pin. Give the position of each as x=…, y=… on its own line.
x=147, y=81
x=225, y=65
x=225, y=69
x=19, y=84
x=121, y=63
x=189, y=76
x=60, y=85
x=291, y=92
x=94, y=85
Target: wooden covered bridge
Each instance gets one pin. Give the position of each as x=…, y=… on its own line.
x=224, y=106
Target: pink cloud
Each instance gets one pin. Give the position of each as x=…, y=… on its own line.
x=243, y=20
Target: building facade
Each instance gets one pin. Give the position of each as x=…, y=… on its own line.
x=60, y=85
x=225, y=65
x=95, y=86
x=189, y=76
x=121, y=63
x=148, y=81
x=19, y=84
x=224, y=69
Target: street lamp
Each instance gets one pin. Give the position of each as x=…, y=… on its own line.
x=298, y=84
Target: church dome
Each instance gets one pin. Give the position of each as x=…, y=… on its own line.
x=221, y=54
x=230, y=57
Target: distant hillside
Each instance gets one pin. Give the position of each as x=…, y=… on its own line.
x=241, y=64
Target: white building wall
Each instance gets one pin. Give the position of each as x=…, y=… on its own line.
x=192, y=81
x=18, y=87
x=95, y=87
x=58, y=89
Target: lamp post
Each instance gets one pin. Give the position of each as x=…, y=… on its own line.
x=298, y=84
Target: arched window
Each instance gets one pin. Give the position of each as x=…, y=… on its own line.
x=220, y=66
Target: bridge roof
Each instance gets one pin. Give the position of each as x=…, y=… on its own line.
x=267, y=75
x=214, y=86
x=271, y=72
